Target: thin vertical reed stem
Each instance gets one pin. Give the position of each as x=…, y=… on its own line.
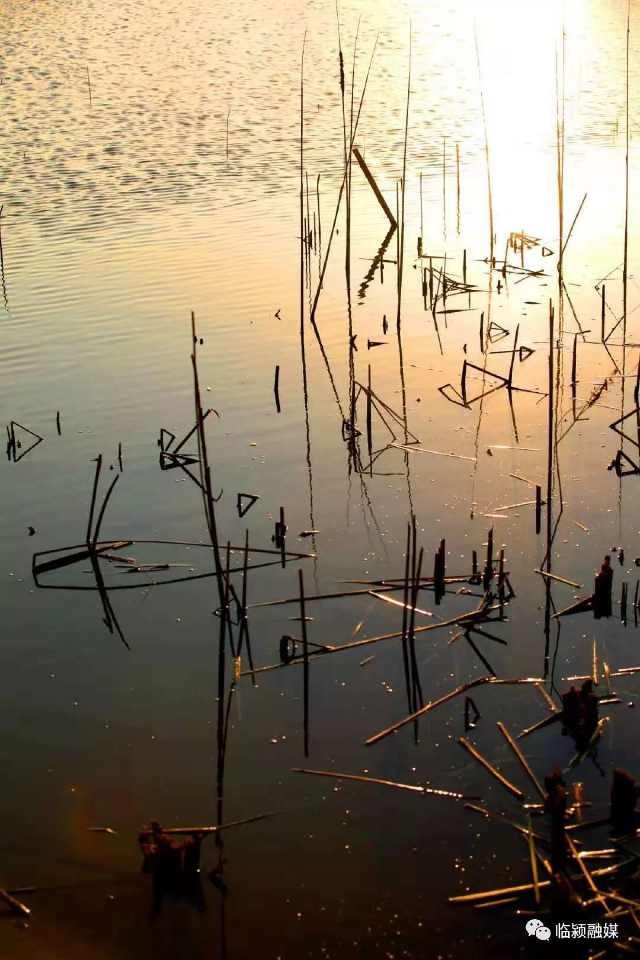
x=305, y=653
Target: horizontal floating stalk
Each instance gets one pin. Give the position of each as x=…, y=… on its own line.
x=414, y=788
x=554, y=576
x=218, y=827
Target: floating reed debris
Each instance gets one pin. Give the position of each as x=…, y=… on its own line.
x=521, y=759
x=189, y=831
x=489, y=767
x=89, y=87
x=435, y=453
x=522, y=887
x=477, y=615
x=16, y=905
x=481, y=681
x=399, y=603
x=412, y=787
x=557, y=579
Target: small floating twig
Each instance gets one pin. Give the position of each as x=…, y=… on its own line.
x=521, y=759
x=15, y=905
x=400, y=603
x=547, y=699
x=218, y=827
x=489, y=767
x=414, y=788
x=554, y=576
x=437, y=453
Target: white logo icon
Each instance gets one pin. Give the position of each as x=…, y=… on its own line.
x=537, y=928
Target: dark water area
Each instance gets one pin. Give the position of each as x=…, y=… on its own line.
x=149, y=168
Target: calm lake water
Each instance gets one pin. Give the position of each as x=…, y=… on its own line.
x=149, y=167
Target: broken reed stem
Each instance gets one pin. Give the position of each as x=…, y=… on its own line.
x=521, y=759
x=305, y=653
x=276, y=387
x=374, y=186
x=481, y=681
x=489, y=767
x=89, y=86
x=15, y=904
x=367, y=641
x=573, y=223
x=412, y=787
